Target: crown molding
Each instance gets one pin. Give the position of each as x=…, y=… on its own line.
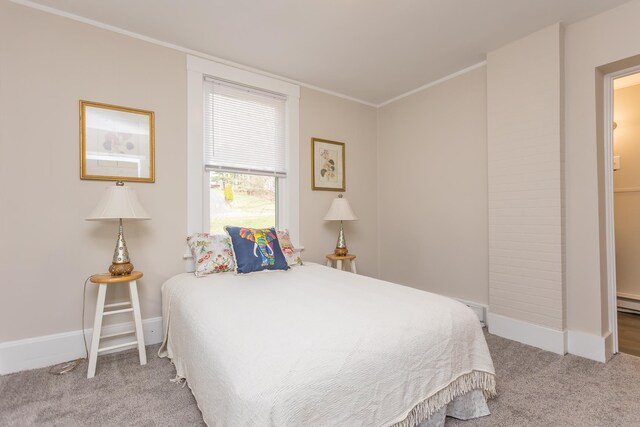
x=434, y=83
x=102, y=25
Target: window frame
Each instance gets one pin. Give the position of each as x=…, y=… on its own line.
x=287, y=200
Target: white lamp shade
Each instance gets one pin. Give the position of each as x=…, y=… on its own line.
x=118, y=202
x=340, y=211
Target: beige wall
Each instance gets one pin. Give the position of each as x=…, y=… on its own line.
x=47, y=64
x=589, y=44
x=626, y=144
x=328, y=117
x=432, y=150
x=525, y=179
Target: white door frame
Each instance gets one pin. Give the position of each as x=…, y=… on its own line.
x=609, y=201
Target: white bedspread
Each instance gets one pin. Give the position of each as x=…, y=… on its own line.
x=315, y=346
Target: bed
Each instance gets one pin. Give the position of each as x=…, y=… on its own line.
x=315, y=346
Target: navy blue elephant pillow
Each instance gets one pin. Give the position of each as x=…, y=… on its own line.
x=256, y=249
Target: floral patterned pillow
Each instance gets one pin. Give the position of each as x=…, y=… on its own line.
x=211, y=253
x=290, y=254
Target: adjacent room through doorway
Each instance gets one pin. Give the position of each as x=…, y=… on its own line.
x=626, y=184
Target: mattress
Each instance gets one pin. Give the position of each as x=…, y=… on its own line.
x=315, y=346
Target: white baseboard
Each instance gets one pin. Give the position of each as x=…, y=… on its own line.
x=608, y=346
x=625, y=301
x=590, y=346
x=528, y=333
x=39, y=352
x=578, y=343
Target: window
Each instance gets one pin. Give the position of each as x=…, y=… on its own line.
x=244, y=154
x=243, y=149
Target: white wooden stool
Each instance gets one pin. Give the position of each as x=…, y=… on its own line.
x=339, y=259
x=133, y=307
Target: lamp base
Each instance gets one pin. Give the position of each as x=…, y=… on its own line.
x=341, y=251
x=341, y=245
x=120, y=269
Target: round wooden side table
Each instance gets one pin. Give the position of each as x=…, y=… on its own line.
x=331, y=258
x=132, y=306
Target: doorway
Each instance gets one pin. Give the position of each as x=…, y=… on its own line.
x=625, y=151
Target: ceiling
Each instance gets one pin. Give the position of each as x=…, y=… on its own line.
x=626, y=81
x=370, y=50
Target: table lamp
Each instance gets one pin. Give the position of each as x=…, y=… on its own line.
x=340, y=211
x=119, y=202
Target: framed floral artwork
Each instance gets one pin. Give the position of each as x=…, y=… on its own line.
x=116, y=143
x=327, y=160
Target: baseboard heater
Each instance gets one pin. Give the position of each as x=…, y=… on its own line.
x=480, y=310
x=628, y=302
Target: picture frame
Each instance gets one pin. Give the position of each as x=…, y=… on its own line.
x=327, y=165
x=116, y=143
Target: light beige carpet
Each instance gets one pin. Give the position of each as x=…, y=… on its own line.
x=536, y=388
x=539, y=388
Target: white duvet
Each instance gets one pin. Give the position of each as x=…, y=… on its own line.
x=315, y=346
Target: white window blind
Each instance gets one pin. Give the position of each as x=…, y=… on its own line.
x=244, y=129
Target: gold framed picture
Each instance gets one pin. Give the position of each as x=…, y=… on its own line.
x=116, y=143
x=327, y=165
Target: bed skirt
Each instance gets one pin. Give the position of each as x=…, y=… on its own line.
x=464, y=398
x=466, y=407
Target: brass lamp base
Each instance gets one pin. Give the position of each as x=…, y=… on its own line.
x=120, y=269
x=341, y=251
